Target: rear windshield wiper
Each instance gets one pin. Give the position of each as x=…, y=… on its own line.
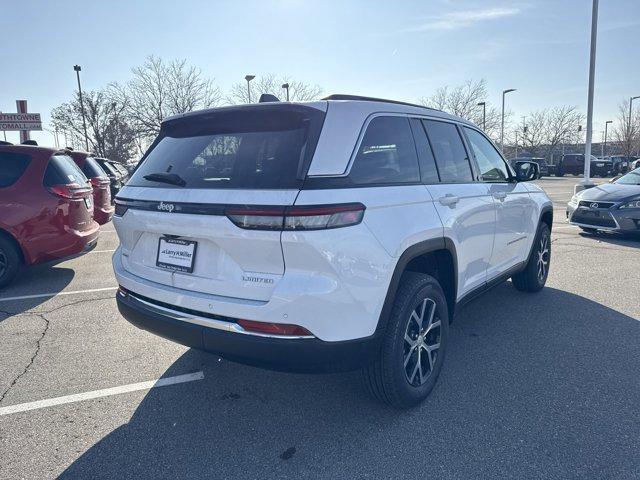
x=164, y=177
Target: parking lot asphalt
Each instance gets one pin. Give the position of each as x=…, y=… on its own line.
x=534, y=386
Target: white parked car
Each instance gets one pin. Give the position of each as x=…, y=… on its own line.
x=325, y=236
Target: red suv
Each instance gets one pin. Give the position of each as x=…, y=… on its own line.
x=102, y=207
x=46, y=208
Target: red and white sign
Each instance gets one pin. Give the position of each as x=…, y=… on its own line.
x=20, y=121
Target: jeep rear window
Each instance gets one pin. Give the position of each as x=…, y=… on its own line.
x=254, y=147
x=62, y=170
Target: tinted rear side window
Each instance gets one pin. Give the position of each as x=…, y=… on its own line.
x=92, y=169
x=428, y=170
x=451, y=156
x=62, y=170
x=387, y=154
x=108, y=169
x=238, y=148
x=119, y=168
x=12, y=166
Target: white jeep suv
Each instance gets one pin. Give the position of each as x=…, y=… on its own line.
x=325, y=236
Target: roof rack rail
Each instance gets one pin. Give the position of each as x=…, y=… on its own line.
x=340, y=96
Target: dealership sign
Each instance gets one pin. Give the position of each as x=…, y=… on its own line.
x=20, y=121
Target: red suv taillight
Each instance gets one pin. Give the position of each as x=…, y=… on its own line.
x=71, y=190
x=100, y=182
x=307, y=217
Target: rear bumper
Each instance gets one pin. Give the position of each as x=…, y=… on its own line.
x=103, y=215
x=70, y=243
x=309, y=355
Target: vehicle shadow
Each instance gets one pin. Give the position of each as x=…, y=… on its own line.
x=621, y=239
x=532, y=383
x=48, y=277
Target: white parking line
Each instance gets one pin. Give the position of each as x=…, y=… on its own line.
x=103, y=251
x=53, y=294
x=106, y=392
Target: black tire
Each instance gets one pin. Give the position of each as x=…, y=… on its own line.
x=10, y=261
x=589, y=230
x=388, y=377
x=559, y=172
x=534, y=275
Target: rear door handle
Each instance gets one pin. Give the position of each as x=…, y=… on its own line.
x=500, y=196
x=449, y=200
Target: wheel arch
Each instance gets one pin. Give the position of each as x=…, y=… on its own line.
x=6, y=234
x=546, y=215
x=436, y=257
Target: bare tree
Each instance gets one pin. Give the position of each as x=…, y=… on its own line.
x=108, y=133
x=533, y=132
x=463, y=101
x=545, y=130
x=562, y=126
x=626, y=134
x=160, y=89
x=298, y=91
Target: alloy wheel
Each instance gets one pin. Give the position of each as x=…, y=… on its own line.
x=4, y=263
x=422, y=342
x=543, y=258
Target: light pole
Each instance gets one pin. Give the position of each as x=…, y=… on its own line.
x=286, y=87
x=84, y=122
x=504, y=92
x=630, y=110
x=248, y=78
x=55, y=135
x=484, y=114
x=606, y=127
x=586, y=181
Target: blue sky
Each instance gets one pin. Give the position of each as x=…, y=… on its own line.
x=394, y=49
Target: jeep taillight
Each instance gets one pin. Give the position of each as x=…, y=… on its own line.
x=307, y=217
x=121, y=208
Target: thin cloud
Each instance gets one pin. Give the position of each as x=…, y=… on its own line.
x=464, y=18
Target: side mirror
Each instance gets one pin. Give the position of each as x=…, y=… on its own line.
x=526, y=171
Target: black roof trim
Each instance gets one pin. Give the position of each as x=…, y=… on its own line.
x=340, y=96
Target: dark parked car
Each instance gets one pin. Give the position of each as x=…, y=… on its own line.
x=102, y=206
x=610, y=206
x=115, y=176
x=542, y=163
x=602, y=167
x=123, y=171
x=574, y=164
x=570, y=164
x=46, y=208
x=621, y=163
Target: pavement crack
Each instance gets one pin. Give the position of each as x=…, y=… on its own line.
x=39, y=312
x=42, y=316
x=33, y=357
x=60, y=307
